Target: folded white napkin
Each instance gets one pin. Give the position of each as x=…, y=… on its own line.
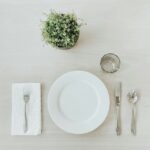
x=33, y=108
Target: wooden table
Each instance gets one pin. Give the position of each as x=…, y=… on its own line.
x=118, y=26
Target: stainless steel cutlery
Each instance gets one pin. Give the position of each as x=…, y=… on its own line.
x=133, y=98
x=117, y=105
x=26, y=99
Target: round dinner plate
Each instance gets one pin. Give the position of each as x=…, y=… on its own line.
x=78, y=102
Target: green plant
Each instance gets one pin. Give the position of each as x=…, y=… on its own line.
x=61, y=30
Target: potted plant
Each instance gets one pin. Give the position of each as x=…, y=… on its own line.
x=61, y=30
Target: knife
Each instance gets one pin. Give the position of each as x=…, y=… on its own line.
x=117, y=105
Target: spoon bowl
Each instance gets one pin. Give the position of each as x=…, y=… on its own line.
x=132, y=97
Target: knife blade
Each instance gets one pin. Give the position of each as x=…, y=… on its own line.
x=117, y=105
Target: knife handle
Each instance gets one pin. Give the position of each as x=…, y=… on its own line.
x=118, y=126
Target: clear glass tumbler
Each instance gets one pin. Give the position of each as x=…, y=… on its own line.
x=110, y=63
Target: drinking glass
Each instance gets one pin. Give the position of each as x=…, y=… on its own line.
x=110, y=63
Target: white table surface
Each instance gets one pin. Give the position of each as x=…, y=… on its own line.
x=118, y=26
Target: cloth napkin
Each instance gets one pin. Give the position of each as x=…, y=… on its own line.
x=33, y=108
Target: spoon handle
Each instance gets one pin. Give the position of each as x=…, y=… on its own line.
x=133, y=121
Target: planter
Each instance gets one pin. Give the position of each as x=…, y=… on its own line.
x=62, y=31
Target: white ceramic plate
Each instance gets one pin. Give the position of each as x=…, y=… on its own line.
x=78, y=102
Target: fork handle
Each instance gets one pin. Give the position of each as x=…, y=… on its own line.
x=25, y=127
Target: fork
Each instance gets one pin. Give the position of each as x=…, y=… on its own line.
x=26, y=98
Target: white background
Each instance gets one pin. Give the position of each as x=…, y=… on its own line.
x=118, y=26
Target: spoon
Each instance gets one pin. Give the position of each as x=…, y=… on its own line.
x=133, y=98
